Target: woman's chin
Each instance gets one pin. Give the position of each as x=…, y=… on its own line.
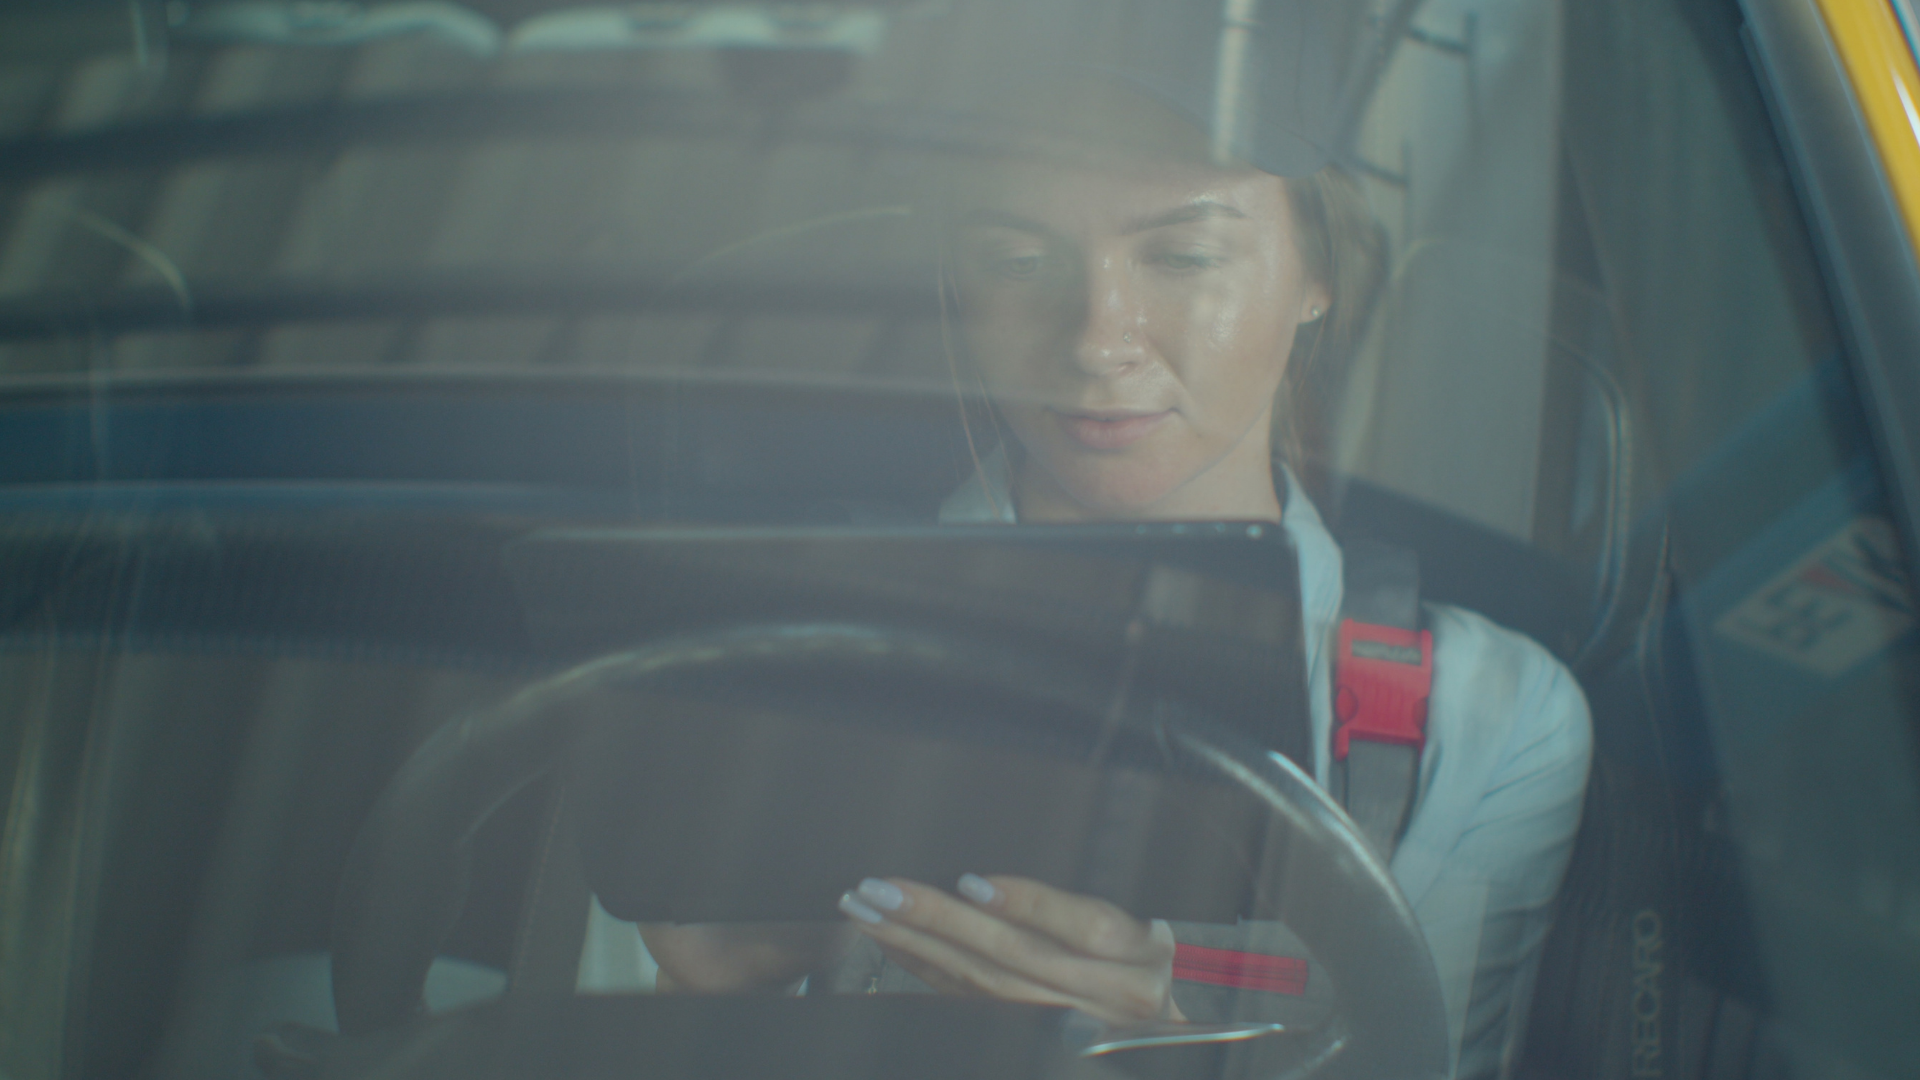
x=1109, y=494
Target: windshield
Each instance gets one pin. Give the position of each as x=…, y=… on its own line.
x=1305, y=532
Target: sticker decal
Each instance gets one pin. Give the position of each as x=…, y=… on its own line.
x=1839, y=604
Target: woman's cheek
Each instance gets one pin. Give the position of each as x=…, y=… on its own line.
x=1222, y=320
x=1236, y=360
x=1006, y=346
x=1210, y=324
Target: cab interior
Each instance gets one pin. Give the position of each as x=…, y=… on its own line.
x=255, y=491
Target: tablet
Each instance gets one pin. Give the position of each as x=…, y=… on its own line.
x=765, y=796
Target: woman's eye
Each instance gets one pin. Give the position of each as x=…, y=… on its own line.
x=1017, y=266
x=1185, y=261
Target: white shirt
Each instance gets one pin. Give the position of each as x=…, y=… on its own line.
x=1501, y=784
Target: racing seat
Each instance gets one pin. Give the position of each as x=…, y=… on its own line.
x=1657, y=946
x=1623, y=989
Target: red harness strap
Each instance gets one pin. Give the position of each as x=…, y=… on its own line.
x=1240, y=970
x=1382, y=677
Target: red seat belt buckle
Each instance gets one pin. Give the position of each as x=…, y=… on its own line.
x=1240, y=970
x=1383, y=676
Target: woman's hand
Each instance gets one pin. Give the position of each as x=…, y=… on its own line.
x=1017, y=939
x=718, y=958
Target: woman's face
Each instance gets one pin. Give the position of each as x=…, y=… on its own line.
x=1133, y=321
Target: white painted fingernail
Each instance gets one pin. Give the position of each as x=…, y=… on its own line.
x=978, y=889
x=884, y=895
x=851, y=904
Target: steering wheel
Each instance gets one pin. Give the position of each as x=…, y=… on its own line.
x=404, y=882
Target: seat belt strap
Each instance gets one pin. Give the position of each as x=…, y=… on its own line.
x=1383, y=677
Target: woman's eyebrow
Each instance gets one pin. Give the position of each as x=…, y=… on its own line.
x=989, y=219
x=1198, y=210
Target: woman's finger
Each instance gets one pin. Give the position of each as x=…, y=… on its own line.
x=938, y=978
x=953, y=969
x=947, y=982
x=909, y=903
x=994, y=956
x=1082, y=923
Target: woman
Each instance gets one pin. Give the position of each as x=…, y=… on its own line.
x=1140, y=312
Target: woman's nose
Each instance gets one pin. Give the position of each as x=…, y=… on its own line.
x=1113, y=334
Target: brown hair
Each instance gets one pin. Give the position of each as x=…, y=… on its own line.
x=1344, y=249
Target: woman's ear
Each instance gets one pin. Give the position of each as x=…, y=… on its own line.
x=1314, y=302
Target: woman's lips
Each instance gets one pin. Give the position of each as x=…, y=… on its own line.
x=1110, y=430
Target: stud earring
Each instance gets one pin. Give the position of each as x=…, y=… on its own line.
x=1313, y=313
x=1127, y=336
